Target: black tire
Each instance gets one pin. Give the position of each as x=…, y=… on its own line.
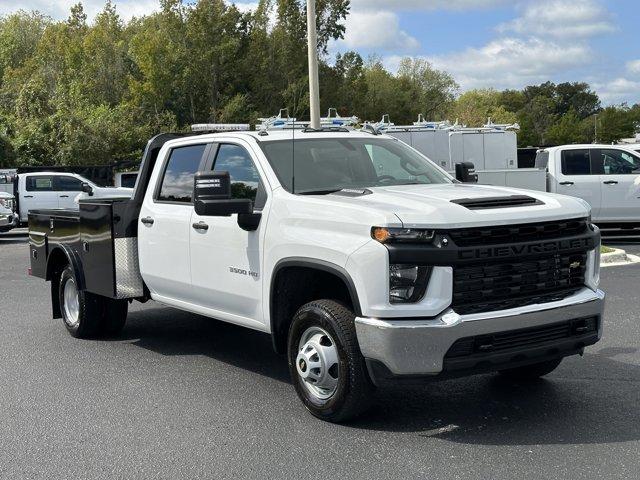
x=354, y=389
x=97, y=315
x=531, y=372
x=87, y=323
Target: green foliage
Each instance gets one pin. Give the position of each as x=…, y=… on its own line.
x=78, y=91
x=475, y=107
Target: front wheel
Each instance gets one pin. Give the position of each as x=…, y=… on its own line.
x=325, y=362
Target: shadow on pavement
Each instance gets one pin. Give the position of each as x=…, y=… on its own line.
x=586, y=401
x=171, y=332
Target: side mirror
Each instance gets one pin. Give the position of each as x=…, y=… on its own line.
x=88, y=189
x=212, y=196
x=466, y=172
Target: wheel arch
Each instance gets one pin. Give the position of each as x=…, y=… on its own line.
x=276, y=311
x=58, y=258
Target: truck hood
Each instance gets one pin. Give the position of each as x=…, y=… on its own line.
x=432, y=206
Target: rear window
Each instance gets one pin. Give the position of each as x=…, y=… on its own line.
x=576, y=162
x=542, y=159
x=179, y=174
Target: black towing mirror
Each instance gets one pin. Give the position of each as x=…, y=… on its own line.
x=212, y=196
x=466, y=172
x=88, y=189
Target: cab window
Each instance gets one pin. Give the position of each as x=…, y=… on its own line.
x=67, y=184
x=179, y=174
x=576, y=162
x=245, y=180
x=39, y=184
x=618, y=162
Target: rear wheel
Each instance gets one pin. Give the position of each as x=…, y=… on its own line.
x=531, y=372
x=86, y=315
x=325, y=362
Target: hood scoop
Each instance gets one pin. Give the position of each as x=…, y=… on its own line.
x=497, y=202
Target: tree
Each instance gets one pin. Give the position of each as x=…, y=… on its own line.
x=431, y=91
x=475, y=107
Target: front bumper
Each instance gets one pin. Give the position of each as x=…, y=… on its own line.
x=418, y=348
x=8, y=220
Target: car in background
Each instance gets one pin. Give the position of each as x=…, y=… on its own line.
x=8, y=217
x=56, y=190
x=605, y=176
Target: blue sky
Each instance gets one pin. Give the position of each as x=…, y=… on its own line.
x=482, y=43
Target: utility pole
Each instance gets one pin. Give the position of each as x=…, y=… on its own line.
x=595, y=128
x=314, y=82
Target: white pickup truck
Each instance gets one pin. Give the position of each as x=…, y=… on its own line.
x=606, y=176
x=8, y=217
x=49, y=190
x=366, y=263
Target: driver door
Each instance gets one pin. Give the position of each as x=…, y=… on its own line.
x=226, y=261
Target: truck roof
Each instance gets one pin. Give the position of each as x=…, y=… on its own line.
x=275, y=135
x=588, y=145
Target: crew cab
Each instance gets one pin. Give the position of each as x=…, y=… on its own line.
x=606, y=176
x=366, y=263
x=50, y=190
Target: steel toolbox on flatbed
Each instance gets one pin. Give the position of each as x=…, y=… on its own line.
x=97, y=237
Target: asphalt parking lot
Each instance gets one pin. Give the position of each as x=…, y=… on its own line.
x=181, y=396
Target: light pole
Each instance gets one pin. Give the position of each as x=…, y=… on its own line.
x=314, y=82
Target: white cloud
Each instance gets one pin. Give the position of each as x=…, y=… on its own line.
x=424, y=4
x=633, y=66
x=377, y=30
x=512, y=62
x=562, y=19
x=619, y=90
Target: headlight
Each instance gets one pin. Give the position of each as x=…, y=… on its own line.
x=408, y=283
x=402, y=235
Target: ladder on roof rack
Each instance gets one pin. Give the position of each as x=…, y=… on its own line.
x=284, y=122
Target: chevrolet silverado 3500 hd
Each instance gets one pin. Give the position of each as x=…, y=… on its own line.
x=365, y=262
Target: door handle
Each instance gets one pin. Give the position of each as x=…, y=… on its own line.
x=201, y=226
x=148, y=221
x=610, y=182
x=28, y=196
x=566, y=183
x=64, y=196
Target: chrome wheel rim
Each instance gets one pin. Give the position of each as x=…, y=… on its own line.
x=317, y=363
x=71, y=303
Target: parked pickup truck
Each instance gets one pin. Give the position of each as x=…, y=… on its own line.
x=365, y=262
x=50, y=190
x=8, y=218
x=606, y=176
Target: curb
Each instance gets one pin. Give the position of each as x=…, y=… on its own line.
x=617, y=257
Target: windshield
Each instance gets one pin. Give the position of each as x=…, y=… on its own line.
x=330, y=164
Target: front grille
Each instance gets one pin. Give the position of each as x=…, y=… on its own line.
x=522, y=338
x=471, y=237
x=508, y=284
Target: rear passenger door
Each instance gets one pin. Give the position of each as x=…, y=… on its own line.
x=164, y=225
x=38, y=194
x=578, y=178
x=67, y=188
